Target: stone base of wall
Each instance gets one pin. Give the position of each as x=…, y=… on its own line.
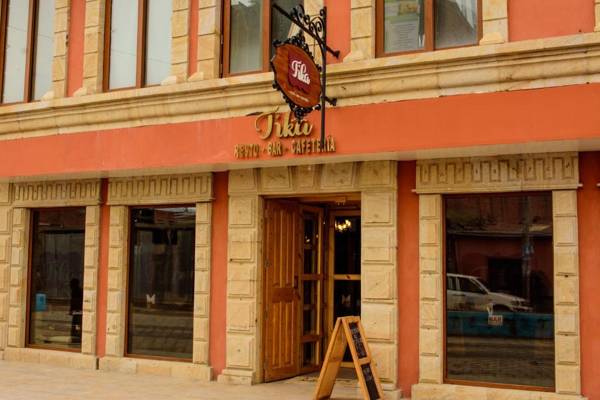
x=236, y=377
x=175, y=369
x=51, y=357
x=426, y=391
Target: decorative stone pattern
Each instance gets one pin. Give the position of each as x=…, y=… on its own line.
x=56, y=193
x=93, y=47
x=168, y=189
x=59, y=62
x=160, y=189
x=557, y=172
x=566, y=292
x=5, y=252
x=495, y=22
x=376, y=181
x=362, y=30
x=499, y=174
x=597, y=12
x=180, y=43
x=209, y=40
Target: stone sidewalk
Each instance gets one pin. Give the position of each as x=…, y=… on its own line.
x=20, y=381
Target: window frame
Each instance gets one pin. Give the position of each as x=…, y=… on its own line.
x=128, y=280
x=484, y=384
x=266, y=39
x=30, y=245
x=32, y=27
x=142, y=41
x=429, y=30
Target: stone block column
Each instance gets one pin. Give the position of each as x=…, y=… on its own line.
x=566, y=292
x=180, y=34
x=117, y=277
x=495, y=22
x=431, y=352
x=59, y=61
x=362, y=30
x=202, y=283
x=597, y=13
x=18, y=278
x=90, y=279
x=379, y=297
x=244, y=280
x=5, y=228
x=209, y=40
x=93, y=47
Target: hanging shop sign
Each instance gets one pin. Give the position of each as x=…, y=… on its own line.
x=297, y=77
x=301, y=81
x=281, y=134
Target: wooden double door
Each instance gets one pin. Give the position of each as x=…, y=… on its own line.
x=299, y=284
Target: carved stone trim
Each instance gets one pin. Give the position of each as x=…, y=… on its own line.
x=495, y=22
x=566, y=305
x=56, y=193
x=160, y=189
x=59, y=61
x=377, y=183
x=548, y=171
x=93, y=47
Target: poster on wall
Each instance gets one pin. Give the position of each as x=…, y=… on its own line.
x=403, y=25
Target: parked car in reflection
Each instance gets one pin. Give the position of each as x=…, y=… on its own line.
x=466, y=292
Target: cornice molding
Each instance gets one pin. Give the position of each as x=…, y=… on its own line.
x=529, y=64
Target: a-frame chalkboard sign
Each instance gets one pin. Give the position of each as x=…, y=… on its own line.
x=348, y=331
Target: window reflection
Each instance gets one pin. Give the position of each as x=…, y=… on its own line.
x=44, y=49
x=123, y=43
x=16, y=51
x=246, y=26
x=158, y=41
x=161, y=282
x=499, y=297
x=281, y=27
x=56, y=288
x=455, y=23
x=404, y=28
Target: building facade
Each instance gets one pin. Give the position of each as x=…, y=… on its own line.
x=162, y=211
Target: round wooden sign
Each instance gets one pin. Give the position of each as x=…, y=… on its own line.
x=297, y=75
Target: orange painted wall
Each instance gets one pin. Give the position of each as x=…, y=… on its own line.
x=588, y=203
x=534, y=19
x=218, y=278
x=102, y=271
x=408, y=278
x=563, y=113
x=193, y=44
x=338, y=28
x=75, y=52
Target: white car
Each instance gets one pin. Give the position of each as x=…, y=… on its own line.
x=465, y=292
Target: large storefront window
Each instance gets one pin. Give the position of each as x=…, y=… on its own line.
x=56, y=280
x=499, y=289
x=161, y=282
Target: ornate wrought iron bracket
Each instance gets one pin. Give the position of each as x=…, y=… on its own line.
x=315, y=27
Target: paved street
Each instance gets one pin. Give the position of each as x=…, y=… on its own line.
x=21, y=381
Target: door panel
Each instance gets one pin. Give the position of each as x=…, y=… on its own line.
x=283, y=260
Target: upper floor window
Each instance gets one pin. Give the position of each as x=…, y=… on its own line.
x=250, y=28
x=425, y=25
x=138, y=36
x=27, y=38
